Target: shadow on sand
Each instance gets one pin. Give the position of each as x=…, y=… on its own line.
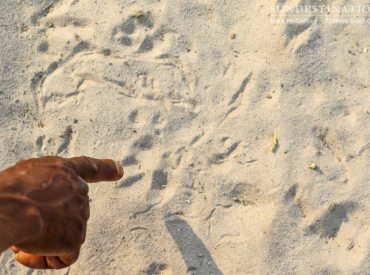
x=196, y=256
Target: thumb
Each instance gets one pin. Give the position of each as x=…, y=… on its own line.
x=29, y=260
x=44, y=262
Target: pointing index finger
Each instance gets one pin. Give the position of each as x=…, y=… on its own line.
x=94, y=170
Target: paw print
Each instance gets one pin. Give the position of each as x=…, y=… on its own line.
x=133, y=29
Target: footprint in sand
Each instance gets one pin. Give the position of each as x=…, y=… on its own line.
x=115, y=86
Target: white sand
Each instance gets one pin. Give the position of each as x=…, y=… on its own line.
x=187, y=94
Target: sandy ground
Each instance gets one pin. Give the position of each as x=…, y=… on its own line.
x=189, y=96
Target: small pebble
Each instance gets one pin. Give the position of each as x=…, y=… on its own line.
x=312, y=166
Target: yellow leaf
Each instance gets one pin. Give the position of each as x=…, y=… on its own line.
x=274, y=143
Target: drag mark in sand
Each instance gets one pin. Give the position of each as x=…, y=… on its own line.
x=241, y=89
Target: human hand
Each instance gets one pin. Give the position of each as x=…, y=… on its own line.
x=44, y=207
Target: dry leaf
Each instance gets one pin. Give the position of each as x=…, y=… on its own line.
x=274, y=143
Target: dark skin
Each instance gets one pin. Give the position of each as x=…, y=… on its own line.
x=44, y=207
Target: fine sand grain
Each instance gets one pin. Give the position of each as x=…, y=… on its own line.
x=246, y=143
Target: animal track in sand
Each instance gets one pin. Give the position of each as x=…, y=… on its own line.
x=159, y=180
x=280, y=3
x=293, y=30
x=138, y=31
x=67, y=137
x=313, y=41
x=219, y=158
x=302, y=37
x=43, y=12
x=157, y=81
x=132, y=116
x=130, y=160
x=157, y=268
x=65, y=21
x=291, y=193
x=56, y=144
x=125, y=32
x=131, y=180
x=241, y=89
x=40, y=143
x=330, y=222
x=43, y=47
x=144, y=143
x=82, y=65
x=242, y=193
x=161, y=187
x=328, y=142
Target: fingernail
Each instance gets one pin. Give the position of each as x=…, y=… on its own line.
x=119, y=168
